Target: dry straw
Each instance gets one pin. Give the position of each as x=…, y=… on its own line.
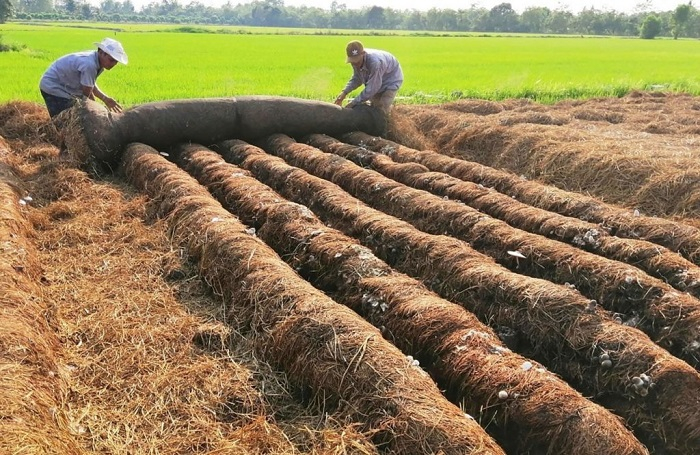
x=5, y=151
x=670, y=318
x=343, y=360
x=639, y=300
x=650, y=257
x=676, y=236
x=153, y=370
x=78, y=151
x=542, y=414
x=32, y=384
x=27, y=123
x=147, y=366
x=614, y=148
x=555, y=323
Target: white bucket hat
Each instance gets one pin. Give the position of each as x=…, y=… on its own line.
x=114, y=49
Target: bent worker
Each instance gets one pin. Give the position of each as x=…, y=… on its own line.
x=75, y=75
x=379, y=71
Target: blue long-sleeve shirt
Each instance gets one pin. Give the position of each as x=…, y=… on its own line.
x=379, y=72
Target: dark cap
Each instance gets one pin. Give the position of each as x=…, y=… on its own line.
x=354, y=51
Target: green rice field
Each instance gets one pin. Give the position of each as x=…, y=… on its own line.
x=168, y=64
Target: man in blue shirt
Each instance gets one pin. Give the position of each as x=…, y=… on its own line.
x=380, y=73
x=74, y=76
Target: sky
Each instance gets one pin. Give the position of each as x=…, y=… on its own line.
x=575, y=6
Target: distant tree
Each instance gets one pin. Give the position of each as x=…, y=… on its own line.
x=86, y=11
x=432, y=19
x=335, y=6
x=482, y=22
x=614, y=22
x=338, y=14
x=631, y=25
x=375, y=17
x=503, y=18
x=71, y=6
x=163, y=9
x=195, y=6
x=268, y=13
x=692, y=28
x=414, y=21
x=7, y=9
x=229, y=15
x=471, y=19
x=590, y=22
x=127, y=7
x=35, y=6
x=534, y=19
x=393, y=19
x=680, y=17
x=108, y=6
x=684, y=21
x=441, y=19
x=169, y=7
x=559, y=22
x=651, y=27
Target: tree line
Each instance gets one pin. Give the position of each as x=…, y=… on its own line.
x=683, y=21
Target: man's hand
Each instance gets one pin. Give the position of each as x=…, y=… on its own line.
x=339, y=99
x=112, y=105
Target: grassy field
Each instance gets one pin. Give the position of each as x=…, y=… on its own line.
x=310, y=64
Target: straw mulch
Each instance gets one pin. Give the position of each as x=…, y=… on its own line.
x=544, y=413
x=27, y=124
x=557, y=324
x=132, y=352
x=111, y=342
x=682, y=237
x=638, y=151
x=33, y=381
x=637, y=298
x=650, y=257
x=343, y=361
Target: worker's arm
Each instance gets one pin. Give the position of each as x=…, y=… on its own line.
x=354, y=82
x=95, y=92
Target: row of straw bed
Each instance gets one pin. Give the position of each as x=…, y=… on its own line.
x=343, y=361
x=673, y=235
x=539, y=413
x=556, y=323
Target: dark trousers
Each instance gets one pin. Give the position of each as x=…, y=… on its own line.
x=56, y=104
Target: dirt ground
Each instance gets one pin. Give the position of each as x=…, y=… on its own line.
x=114, y=342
